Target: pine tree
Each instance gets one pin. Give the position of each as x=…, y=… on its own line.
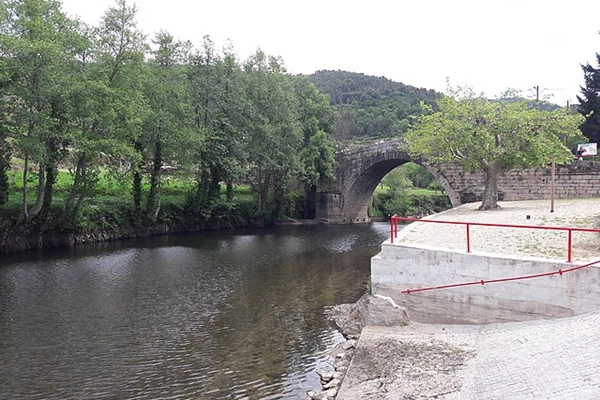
x=589, y=102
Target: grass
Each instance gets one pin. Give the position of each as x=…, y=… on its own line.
x=109, y=188
x=380, y=189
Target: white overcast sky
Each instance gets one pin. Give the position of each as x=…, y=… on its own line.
x=489, y=45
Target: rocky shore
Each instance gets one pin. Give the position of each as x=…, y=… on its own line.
x=350, y=319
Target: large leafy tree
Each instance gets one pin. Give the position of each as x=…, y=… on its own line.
x=92, y=107
x=492, y=136
x=317, y=119
x=121, y=51
x=273, y=136
x=589, y=101
x=217, y=102
x=38, y=45
x=166, y=132
x=4, y=122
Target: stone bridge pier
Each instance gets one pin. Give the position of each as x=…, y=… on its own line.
x=358, y=172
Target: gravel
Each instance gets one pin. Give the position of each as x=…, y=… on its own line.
x=575, y=213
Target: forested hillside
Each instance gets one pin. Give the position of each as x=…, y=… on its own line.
x=370, y=106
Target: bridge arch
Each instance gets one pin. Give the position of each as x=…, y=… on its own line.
x=358, y=172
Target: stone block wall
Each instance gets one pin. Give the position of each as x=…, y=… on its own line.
x=579, y=180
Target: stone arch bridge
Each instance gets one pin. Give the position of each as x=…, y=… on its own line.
x=357, y=174
x=359, y=171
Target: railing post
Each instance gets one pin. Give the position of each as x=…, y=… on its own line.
x=393, y=227
x=569, y=253
x=468, y=239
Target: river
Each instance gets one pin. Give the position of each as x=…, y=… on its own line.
x=218, y=315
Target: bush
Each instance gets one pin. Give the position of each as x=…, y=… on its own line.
x=405, y=205
x=294, y=204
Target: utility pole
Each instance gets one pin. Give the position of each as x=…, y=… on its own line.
x=537, y=93
x=552, y=184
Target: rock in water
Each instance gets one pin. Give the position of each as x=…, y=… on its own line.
x=350, y=319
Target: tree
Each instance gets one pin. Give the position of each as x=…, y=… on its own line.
x=217, y=102
x=418, y=175
x=492, y=136
x=317, y=119
x=167, y=126
x=589, y=101
x=273, y=133
x=37, y=44
x=121, y=52
x=4, y=122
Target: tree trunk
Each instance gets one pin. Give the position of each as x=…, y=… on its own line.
x=80, y=171
x=137, y=195
x=24, y=201
x=229, y=191
x=489, y=199
x=153, y=204
x=4, y=186
x=51, y=174
x=137, y=185
x=39, y=201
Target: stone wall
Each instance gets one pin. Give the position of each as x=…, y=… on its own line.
x=579, y=180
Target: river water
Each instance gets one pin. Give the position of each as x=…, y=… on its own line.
x=219, y=315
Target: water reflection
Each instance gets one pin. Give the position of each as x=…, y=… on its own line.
x=224, y=315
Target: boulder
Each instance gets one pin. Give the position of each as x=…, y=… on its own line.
x=475, y=194
x=350, y=319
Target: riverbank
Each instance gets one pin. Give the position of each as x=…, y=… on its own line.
x=37, y=241
x=540, y=359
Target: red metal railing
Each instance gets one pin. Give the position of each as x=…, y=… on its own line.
x=395, y=219
x=484, y=281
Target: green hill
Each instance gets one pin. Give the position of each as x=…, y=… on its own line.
x=370, y=106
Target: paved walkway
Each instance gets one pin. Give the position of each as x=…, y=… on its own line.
x=548, y=359
x=544, y=359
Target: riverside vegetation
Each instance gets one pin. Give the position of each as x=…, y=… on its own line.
x=108, y=215
x=105, y=133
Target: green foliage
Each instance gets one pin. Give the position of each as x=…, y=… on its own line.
x=397, y=180
x=402, y=193
x=294, y=205
x=38, y=44
x=371, y=106
x=274, y=134
x=589, y=101
x=474, y=131
x=405, y=205
x=317, y=119
x=418, y=175
x=4, y=182
x=492, y=136
x=134, y=120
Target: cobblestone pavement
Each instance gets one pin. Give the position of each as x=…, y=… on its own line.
x=549, y=359
x=545, y=359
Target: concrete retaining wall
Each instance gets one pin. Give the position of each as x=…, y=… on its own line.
x=400, y=267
